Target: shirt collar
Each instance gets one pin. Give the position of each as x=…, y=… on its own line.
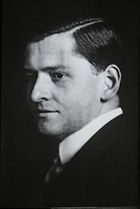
x=73, y=143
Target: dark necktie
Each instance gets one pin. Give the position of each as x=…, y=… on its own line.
x=54, y=170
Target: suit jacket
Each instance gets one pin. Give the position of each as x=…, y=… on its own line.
x=102, y=173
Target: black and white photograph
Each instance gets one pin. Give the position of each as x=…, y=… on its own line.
x=70, y=104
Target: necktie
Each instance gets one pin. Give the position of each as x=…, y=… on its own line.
x=54, y=170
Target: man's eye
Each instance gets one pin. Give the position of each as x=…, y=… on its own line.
x=57, y=76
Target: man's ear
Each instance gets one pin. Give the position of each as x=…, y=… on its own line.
x=112, y=79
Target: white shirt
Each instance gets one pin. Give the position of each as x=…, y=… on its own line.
x=73, y=143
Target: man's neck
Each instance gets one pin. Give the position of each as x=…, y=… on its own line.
x=109, y=105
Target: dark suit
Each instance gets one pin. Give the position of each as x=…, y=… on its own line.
x=103, y=172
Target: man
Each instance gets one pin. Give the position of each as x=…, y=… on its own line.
x=74, y=74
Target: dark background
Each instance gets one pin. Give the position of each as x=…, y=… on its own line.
x=22, y=146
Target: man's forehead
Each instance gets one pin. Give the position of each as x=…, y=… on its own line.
x=53, y=44
x=55, y=49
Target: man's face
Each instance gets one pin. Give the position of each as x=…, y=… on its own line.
x=63, y=89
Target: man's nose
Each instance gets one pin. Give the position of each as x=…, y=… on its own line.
x=42, y=88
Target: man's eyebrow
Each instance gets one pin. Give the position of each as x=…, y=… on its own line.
x=53, y=68
x=48, y=68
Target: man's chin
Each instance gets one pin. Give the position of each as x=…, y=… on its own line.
x=49, y=131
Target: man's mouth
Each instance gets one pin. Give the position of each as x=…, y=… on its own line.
x=45, y=113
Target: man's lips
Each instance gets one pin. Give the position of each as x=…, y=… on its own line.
x=45, y=113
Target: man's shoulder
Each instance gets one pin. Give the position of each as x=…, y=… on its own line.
x=114, y=132
x=118, y=130
x=111, y=154
x=109, y=162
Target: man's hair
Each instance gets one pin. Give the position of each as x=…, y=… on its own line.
x=95, y=39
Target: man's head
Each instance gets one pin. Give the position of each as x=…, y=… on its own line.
x=73, y=76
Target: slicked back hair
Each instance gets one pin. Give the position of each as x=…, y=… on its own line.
x=95, y=40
